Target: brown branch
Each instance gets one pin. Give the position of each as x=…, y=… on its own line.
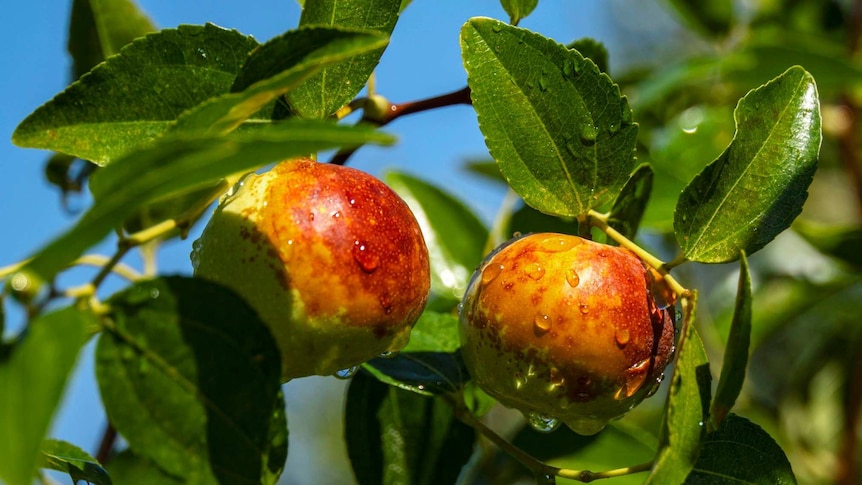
x=383, y=115
x=106, y=445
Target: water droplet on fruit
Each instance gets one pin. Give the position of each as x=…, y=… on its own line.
x=542, y=423
x=622, y=336
x=367, y=259
x=535, y=271
x=655, y=385
x=335, y=215
x=541, y=324
x=491, y=272
x=588, y=133
x=584, y=308
x=572, y=278
x=520, y=381
x=388, y=354
x=635, y=377
x=347, y=373
x=556, y=377
x=311, y=216
x=557, y=244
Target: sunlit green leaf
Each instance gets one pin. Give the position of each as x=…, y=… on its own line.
x=435, y=332
x=398, y=437
x=33, y=374
x=686, y=415
x=274, y=69
x=736, y=351
x=176, y=166
x=99, y=28
x=328, y=91
x=191, y=378
x=559, y=129
x=68, y=458
x=454, y=235
x=741, y=452
x=755, y=189
x=518, y=9
x=136, y=95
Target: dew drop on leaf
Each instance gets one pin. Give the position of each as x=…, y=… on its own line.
x=588, y=133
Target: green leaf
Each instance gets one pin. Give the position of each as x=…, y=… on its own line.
x=33, y=374
x=592, y=50
x=398, y=437
x=714, y=18
x=68, y=458
x=176, y=166
x=559, y=129
x=736, y=350
x=435, y=332
x=454, y=236
x=741, y=452
x=191, y=378
x=136, y=95
x=128, y=468
x=99, y=28
x=333, y=88
x=687, y=411
x=425, y=373
x=518, y=9
x=628, y=209
x=273, y=69
x=526, y=220
x=755, y=189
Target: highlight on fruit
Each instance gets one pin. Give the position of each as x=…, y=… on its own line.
x=331, y=258
x=566, y=330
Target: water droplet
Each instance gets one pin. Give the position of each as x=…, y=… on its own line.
x=368, y=260
x=572, y=278
x=542, y=323
x=542, y=423
x=311, y=216
x=389, y=354
x=584, y=308
x=335, y=215
x=589, y=133
x=520, y=381
x=635, y=377
x=347, y=373
x=154, y=293
x=556, y=377
x=613, y=128
x=626, y=113
x=352, y=202
x=497, y=28
x=202, y=53
x=498, y=48
x=556, y=244
x=530, y=85
x=491, y=272
x=535, y=271
x=622, y=336
x=543, y=83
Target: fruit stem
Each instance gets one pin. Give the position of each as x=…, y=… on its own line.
x=596, y=219
x=538, y=468
x=379, y=112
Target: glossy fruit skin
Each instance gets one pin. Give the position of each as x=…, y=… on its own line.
x=331, y=258
x=562, y=327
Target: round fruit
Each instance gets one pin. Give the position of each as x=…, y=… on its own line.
x=565, y=330
x=331, y=258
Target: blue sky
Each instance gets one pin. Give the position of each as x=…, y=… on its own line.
x=423, y=60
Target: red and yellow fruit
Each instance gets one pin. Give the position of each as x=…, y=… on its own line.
x=331, y=258
x=565, y=330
